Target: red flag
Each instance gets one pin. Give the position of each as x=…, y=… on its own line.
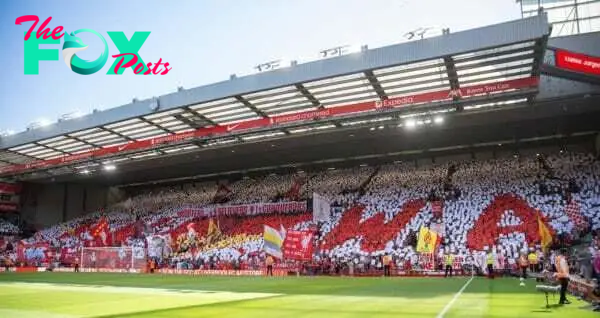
x=574, y=213
x=102, y=231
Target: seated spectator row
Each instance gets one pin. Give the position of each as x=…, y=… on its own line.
x=474, y=206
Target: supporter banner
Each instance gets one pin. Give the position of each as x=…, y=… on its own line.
x=10, y=188
x=321, y=208
x=298, y=245
x=577, y=62
x=69, y=255
x=427, y=241
x=402, y=101
x=244, y=209
x=37, y=252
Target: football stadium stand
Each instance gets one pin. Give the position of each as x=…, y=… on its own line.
x=469, y=144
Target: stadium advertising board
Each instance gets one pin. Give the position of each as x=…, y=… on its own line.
x=244, y=209
x=211, y=272
x=577, y=62
x=10, y=188
x=396, y=102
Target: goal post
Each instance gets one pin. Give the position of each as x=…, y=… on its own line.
x=117, y=259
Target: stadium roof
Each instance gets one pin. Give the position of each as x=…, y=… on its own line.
x=486, y=67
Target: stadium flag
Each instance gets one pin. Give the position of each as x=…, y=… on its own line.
x=282, y=231
x=427, y=241
x=212, y=228
x=272, y=242
x=102, y=231
x=321, y=208
x=294, y=192
x=545, y=235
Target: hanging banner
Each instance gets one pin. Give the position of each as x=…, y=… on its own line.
x=244, y=209
x=36, y=252
x=321, y=208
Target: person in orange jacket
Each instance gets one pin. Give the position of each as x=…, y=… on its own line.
x=562, y=274
x=524, y=264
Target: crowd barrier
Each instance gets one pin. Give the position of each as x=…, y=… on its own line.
x=582, y=287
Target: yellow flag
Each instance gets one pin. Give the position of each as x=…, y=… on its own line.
x=212, y=228
x=545, y=235
x=427, y=241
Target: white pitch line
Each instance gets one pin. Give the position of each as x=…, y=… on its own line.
x=451, y=302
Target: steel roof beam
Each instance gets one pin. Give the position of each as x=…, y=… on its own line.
x=452, y=79
x=156, y=126
x=201, y=116
x=539, y=53
x=52, y=148
x=497, y=62
x=252, y=107
x=376, y=86
x=308, y=95
x=83, y=141
x=117, y=133
x=494, y=54
x=20, y=154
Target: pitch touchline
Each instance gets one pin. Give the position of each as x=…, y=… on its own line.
x=449, y=304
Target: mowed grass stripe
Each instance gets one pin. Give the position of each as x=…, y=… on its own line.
x=298, y=297
x=505, y=298
x=87, y=301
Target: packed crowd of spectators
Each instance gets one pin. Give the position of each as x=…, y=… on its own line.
x=8, y=228
x=383, y=207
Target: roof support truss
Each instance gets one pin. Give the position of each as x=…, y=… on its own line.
x=376, y=86
x=308, y=95
x=252, y=107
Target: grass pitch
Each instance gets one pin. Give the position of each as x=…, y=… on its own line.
x=70, y=295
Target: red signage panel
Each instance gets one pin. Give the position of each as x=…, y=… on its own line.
x=577, y=62
x=10, y=188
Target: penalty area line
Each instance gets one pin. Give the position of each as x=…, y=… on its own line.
x=453, y=300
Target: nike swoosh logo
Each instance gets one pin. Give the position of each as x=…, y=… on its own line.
x=122, y=147
x=232, y=127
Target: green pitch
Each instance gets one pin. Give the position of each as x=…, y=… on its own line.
x=43, y=295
